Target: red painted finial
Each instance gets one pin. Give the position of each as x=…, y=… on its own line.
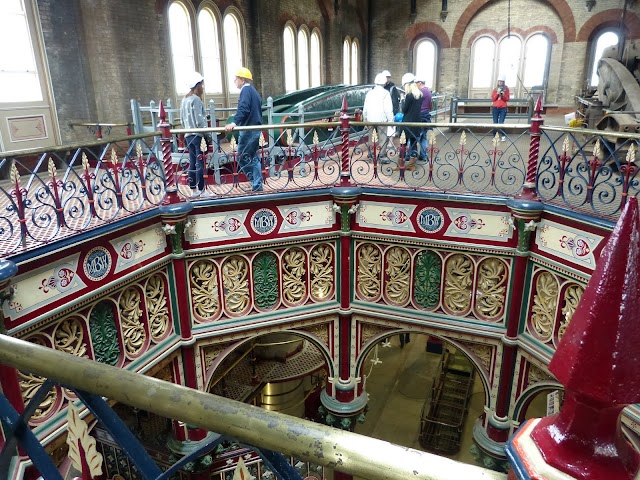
x=163, y=112
x=344, y=105
x=598, y=361
x=538, y=108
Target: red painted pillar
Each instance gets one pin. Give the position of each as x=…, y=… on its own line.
x=529, y=187
x=345, y=173
x=166, y=140
x=597, y=362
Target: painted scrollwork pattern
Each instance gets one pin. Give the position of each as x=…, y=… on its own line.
x=133, y=333
x=545, y=303
x=398, y=271
x=157, y=308
x=321, y=267
x=458, y=281
x=69, y=337
x=369, y=271
x=235, y=280
x=204, y=289
x=537, y=375
x=104, y=335
x=29, y=385
x=293, y=278
x=483, y=352
x=490, y=291
x=572, y=295
x=427, y=277
x=265, y=280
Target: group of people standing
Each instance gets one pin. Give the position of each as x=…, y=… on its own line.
x=249, y=112
x=383, y=104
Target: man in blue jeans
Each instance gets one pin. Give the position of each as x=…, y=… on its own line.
x=249, y=113
x=193, y=115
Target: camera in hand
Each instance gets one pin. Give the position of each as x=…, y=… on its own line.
x=501, y=89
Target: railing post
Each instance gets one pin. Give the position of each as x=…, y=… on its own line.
x=345, y=175
x=529, y=187
x=171, y=189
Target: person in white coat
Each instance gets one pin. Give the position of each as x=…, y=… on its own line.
x=378, y=108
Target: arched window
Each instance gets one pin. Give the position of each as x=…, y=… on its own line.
x=346, y=61
x=509, y=55
x=603, y=40
x=181, y=45
x=425, y=61
x=210, y=51
x=232, y=48
x=289, y=42
x=355, y=63
x=482, y=60
x=303, y=59
x=316, y=64
x=536, y=55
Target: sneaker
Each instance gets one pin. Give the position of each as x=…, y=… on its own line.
x=196, y=193
x=503, y=138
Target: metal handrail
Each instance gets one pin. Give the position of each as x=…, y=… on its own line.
x=341, y=450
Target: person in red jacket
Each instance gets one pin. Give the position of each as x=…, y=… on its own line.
x=500, y=97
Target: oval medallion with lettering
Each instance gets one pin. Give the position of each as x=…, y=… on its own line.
x=97, y=263
x=264, y=221
x=430, y=220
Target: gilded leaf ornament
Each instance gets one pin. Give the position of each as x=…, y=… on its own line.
x=545, y=303
x=204, y=289
x=29, y=385
x=427, y=278
x=293, y=276
x=104, y=335
x=369, y=271
x=265, y=280
x=235, y=280
x=491, y=287
x=157, y=308
x=537, y=375
x=322, y=279
x=458, y=280
x=133, y=332
x=572, y=295
x=398, y=270
x=79, y=440
x=69, y=337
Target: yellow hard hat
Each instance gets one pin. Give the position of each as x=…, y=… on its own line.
x=244, y=73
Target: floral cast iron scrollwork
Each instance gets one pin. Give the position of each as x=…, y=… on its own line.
x=69, y=337
x=235, y=280
x=398, y=270
x=572, y=295
x=104, y=334
x=265, y=280
x=157, y=308
x=491, y=288
x=204, y=289
x=294, y=276
x=369, y=271
x=133, y=332
x=458, y=280
x=545, y=303
x=427, y=278
x=322, y=278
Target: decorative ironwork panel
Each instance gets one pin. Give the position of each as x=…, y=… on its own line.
x=545, y=304
x=29, y=385
x=157, y=308
x=572, y=295
x=104, y=334
x=294, y=276
x=491, y=288
x=235, y=280
x=369, y=274
x=265, y=280
x=134, y=335
x=397, y=278
x=69, y=337
x=204, y=289
x=322, y=272
x=427, y=278
x=458, y=284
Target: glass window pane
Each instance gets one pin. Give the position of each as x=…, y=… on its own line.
x=605, y=40
x=426, y=62
x=346, y=54
x=181, y=46
x=535, y=60
x=19, y=87
x=354, y=63
x=210, y=50
x=11, y=6
x=233, y=49
x=483, y=58
x=509, y=59
x=315, y=60
x=289, y=59
x=303, y=60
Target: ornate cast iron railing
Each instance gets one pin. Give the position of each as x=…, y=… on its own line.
x=49, y=194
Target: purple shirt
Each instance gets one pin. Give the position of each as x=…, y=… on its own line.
x=426, y=99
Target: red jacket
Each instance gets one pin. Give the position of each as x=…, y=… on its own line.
x=500, y=102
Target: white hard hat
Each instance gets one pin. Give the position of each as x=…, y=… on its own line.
x=502, y=77
x=408, y=78
x=380, y=79
x=386, y=73
x=194, y=79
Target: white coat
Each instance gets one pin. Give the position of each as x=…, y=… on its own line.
x=378, y=107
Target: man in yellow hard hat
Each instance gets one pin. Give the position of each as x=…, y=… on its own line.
x=249, y=113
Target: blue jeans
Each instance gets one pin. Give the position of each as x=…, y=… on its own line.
x=248, y=162
x=424, y=144
x=196, y=167
x=499, y=114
